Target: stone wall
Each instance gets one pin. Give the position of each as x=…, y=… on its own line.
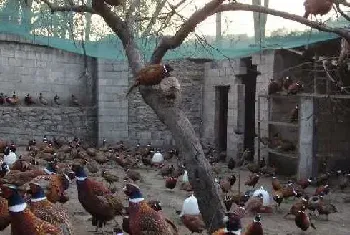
x=28, y=68
x=105, y=111
x=144, y=125
x=21, y=123
x=223, y=73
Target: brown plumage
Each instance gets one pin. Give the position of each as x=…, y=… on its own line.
x=151, y=75
x=304, y=183
x=297, y=206
x=133, y=175
x=4, y=214
x=317, y=7
x=47, y=211
x=170, y=182
x=28, y=100
x=294, y=88
x=14, y=100
x=253, y=180
x=232, y=225
x=110, y=177
x=142, y=218
x=194, y=223
x=226, y=184
x=276, y=185
x=273, y=87
x=96, y=198
x=322, y=190
x=253, y=204
x=255, y=228
x=23, y=221
x=288, y=191
x=294, y=114
x=302, y=220
x=287, y=81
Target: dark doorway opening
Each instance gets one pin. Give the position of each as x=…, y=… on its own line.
x=249, y=81
x=221, y=113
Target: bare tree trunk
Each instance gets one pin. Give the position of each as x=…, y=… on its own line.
x=199, y=169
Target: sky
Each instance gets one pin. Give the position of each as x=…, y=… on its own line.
x=242, y=22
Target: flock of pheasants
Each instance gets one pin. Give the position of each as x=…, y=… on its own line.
x=29, y=100
x=34, y=184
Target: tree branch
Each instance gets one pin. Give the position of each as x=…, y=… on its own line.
x=343, y=2
x=175, y=41
x=247, y=7
x=73, y=8
x=160, y=5
x=342, y=13
x=124, y=33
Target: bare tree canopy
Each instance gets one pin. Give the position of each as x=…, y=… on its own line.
x=119, y=16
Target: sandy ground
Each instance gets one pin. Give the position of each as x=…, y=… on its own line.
x=153, y=188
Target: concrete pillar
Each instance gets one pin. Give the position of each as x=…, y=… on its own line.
x=235, y=127
x=307, y=148
x=112, y=85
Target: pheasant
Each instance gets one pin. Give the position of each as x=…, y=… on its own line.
x=28, y=100
x=23, y=221
x=232, y=225
x=55, y=184
x=142, y=218
x=317, y=7
x=45, y=210
x=255, y=227
x=96, y=198
x=4, y=214
x=151, y=75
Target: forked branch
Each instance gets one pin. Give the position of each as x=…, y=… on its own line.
x=247, y=7
x=68, y=8
x=168, y=43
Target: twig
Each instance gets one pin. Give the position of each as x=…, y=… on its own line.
x=316, y=25
x=187, y=27
x=73, y=8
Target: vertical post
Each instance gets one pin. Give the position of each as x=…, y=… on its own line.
x=307, y=148
x=218, y=27
x=259, y=134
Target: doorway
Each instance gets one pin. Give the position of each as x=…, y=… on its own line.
x=221, y=114
x=249, y=81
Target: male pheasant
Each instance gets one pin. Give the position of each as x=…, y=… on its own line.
x=47, y=211
x=142, y=218
x=151, y=75
x=23, y=221
x=96, y=199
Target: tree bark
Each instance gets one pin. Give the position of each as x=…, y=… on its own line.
x=182, y=130
x=199, y=169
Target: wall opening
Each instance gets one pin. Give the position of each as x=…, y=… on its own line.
x=249, y=81
x=221, y=114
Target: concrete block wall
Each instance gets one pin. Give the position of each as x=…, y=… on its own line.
x=265, y=62
x=221, y=73
x=113, y=114
x=144, y=125
x=28, y=68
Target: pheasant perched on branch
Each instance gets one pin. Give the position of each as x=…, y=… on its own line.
x=151, y=75
x=317, y=7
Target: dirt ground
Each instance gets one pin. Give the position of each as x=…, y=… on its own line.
x=153, y=188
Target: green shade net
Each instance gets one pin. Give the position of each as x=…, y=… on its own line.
x=43, y=28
